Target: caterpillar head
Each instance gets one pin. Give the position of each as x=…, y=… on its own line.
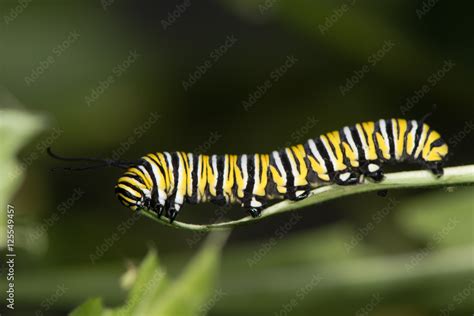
x=133, y=189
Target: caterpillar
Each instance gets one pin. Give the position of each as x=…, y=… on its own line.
x=163, y=181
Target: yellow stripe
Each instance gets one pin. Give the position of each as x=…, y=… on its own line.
x=164, y=164
x=161, y=179
x=335, y=139
x=211, y=177
x=133, y=182
x=263, y=170
x=437, y=153
x=129, y=190
x=383, y=146
x=146, y=178
x=402, y=128
x=318, y=169
x=369, y=128
x=303, y=172
x=238, y=178
x=278, y=179
x=431, y=138
x=229, y=177
x=422, y=140
x=182, y=180
x=202, y=177
x=350, y=154
x=127, y=199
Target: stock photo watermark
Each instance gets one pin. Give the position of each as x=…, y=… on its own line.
x=458, y=299
x=433, y=80
x=372, y=61
x=10, y=257
x=212, y=301
x=46, y=224
x=275, y=75
x=136, y=135
x=40, y=148
x=301, y=133
x=288, y=307
x=16, y=11
x=118, y=71
x=370, y=226
x=214, y=56
x=426, y=7
x=109, y=241
x=47, y=303
x=51, y=59
x=175, y=14
x=278, y=234
x=368, y=308
x=436, y=238
x=335, y=16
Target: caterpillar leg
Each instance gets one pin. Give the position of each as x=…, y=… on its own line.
x=347, y=177
x=436, y=168
x=254, y=207
x=373, y=170
x=298, y=193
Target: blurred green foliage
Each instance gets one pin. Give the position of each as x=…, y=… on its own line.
x=56, y=61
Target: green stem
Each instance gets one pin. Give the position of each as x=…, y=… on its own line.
x=460, y=175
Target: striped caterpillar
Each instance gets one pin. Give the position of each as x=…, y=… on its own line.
x=162, y=181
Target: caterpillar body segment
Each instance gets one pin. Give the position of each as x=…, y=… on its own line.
x=163, y=182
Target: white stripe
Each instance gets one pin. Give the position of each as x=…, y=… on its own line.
x=243, y=167
x=279, y=165
x=350, y=139
x=421, y=143
x=256, y=183
x=143, y=170
x=215, y=171
x=360, y=131
x=179, y=196
x=395, y=138
x=383, y=129
x=191, y=169
x=198, y=178
x=317, y=155
x=171, y=169
x=330, y=153
x=161, y=194
x=225, y=176
x=294, y=171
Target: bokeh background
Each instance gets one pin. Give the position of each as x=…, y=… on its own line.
x=118, y=79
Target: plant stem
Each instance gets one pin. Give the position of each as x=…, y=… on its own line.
x=460, y=175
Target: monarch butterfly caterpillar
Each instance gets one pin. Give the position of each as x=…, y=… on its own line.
x=163, y=181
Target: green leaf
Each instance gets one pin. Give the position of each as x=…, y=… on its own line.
x=152, y=294
x=17, y=128
x=442, y=218
x=190, y=293
x=91, y=307
x=150, y=283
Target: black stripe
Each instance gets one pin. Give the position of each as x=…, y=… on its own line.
x=220, y=177
x=312, y=174
x=136, y=177
x=126, y=193
x=358, y=144
x=158, y=164
x=290, y=179
x=194, y=176
x=391, y=139
x=251, y=179
x=154, y=189
x=324, y=153
x=175, y=162
x=378, y=150
x=405, y=138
